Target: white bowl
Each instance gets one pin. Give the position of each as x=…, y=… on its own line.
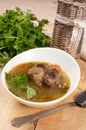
x=46, y=54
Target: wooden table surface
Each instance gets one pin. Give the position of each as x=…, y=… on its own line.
x=73, y=118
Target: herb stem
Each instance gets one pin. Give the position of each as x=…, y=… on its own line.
x=8, y=37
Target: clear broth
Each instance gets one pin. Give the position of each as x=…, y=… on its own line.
x=44, y=94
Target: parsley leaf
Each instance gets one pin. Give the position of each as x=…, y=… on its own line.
x=30, y=92
x=20, y=81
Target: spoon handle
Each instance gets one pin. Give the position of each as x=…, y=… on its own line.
x=19, y=121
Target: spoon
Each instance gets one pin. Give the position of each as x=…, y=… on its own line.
x=79, y=101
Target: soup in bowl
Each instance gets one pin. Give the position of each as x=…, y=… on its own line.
x=41, y=77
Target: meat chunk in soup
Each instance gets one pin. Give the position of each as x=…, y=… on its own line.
x=36, y=73
x=43, y=75
x=51, y=77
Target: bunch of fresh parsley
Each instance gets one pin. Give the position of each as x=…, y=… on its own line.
x=19, y=32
